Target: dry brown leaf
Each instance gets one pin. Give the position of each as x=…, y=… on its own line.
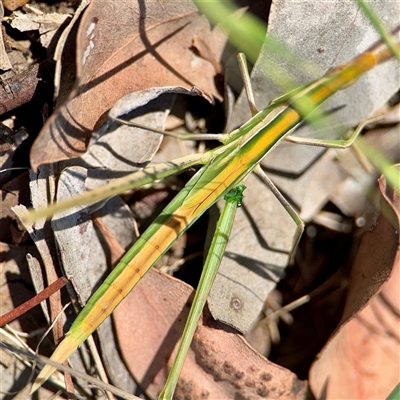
x=124, y=47
x=362, y=361
x=220, y=364
x=14, y=4
x=46, y=24
x=12, y=193
x=5, y=63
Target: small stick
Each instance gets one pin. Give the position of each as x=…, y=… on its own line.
x=33, y=302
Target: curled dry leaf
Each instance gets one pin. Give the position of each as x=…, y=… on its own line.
x=124, y=47
x=362, y=360
x=220, y=364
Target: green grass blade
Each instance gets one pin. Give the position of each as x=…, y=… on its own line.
x=395, y=394
x=382, y=163
x=380, y=28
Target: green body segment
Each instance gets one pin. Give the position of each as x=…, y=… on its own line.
x=210, y=184
x=233, y=199
x=226, y=168
x=132, y=181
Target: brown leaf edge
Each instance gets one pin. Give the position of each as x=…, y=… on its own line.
x=362, y=358
x=220, y=363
